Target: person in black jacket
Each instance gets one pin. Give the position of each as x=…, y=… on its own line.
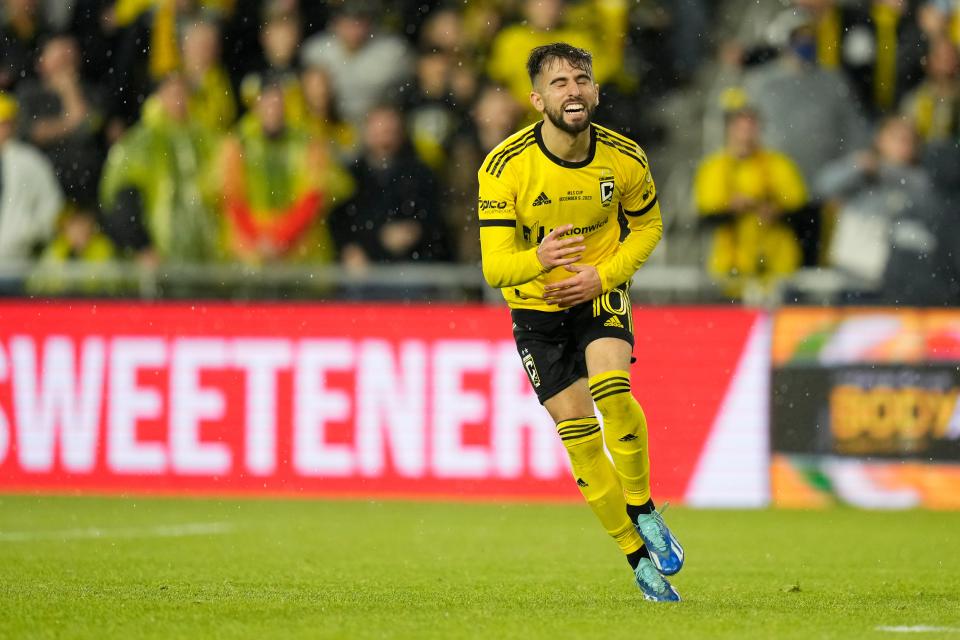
x=395, y=215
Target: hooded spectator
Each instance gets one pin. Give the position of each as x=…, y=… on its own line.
x=154, y=193
x=278, y=186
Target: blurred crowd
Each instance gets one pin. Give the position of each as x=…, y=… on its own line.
x=283, y=131
x=836, y=129
x=299, y=132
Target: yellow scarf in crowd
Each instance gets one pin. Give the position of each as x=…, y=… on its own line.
x=164, y=45
x=828, y=39
x=887, y=20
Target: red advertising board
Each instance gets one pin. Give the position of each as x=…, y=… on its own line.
x=351, y=400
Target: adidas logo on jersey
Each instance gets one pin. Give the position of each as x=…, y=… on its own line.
x=542, y=199
x=614, y=321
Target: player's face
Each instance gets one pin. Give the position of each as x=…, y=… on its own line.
x=567, y=95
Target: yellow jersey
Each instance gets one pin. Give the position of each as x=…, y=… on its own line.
x=526, y=191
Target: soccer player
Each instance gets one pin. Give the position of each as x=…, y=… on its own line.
x=550, y=197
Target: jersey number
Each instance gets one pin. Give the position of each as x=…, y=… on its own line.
x=616, y=303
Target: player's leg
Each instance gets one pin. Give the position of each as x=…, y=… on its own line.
x=553, y=357
x=624, y=423
x=608, y=354
x=579, y=431
x=556, y=369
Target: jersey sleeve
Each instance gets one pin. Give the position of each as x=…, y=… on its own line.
x=644, y=224
x=504, y=265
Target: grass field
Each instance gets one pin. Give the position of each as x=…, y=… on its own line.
x=166, y=568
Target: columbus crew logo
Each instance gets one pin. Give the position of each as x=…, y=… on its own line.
x=606, y=190
x=531, y=370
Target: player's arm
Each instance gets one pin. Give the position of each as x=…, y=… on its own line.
x=503, y=264
x=641, y=208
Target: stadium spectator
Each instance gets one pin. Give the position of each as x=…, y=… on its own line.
x=62, y=115
x=827, y=18
x=79, y=240
x=494, y=116
x=97, y=36
x=280, y=38
x=365, y=65
x=940, y=19
x=242, y=46
x=431, y=108
x=395, y=215
x=443, y=30
x=890, y=219
x=744, y=192
x=22, y=28
x=934, y=106
x=882, y=50
x=878, y=47
x=942, y=162
x=481, y=23
x=212, y=103
x=149, y=33
x=600, y=29
x=30, y=198
x=809, y=113
x=154, y=192
x=443, y=33
x=278, y=185
x=169, y=18
x=322, y=118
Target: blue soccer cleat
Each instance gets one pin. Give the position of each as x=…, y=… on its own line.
x=665, y=552
x=653, y=585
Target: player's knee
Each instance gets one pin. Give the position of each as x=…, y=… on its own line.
x=624, y=422
x=619, y=408
x=611, y=393
x=584, y=450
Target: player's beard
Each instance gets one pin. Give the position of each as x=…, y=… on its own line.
x=556, y=117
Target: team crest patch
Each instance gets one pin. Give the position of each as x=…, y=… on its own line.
x=606, y=190
x=531, y=368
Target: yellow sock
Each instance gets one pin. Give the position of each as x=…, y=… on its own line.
x=625, y=432
x=598, y=480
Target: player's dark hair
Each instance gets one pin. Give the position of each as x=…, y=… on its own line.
x=540, y=57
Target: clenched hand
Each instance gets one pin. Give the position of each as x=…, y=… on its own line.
x=584, y=286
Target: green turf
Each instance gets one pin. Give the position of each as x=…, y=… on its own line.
x=291, y=569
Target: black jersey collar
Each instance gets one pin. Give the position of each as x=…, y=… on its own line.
x=538, y=134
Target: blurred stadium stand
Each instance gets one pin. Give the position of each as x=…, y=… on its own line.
x=149, y=143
